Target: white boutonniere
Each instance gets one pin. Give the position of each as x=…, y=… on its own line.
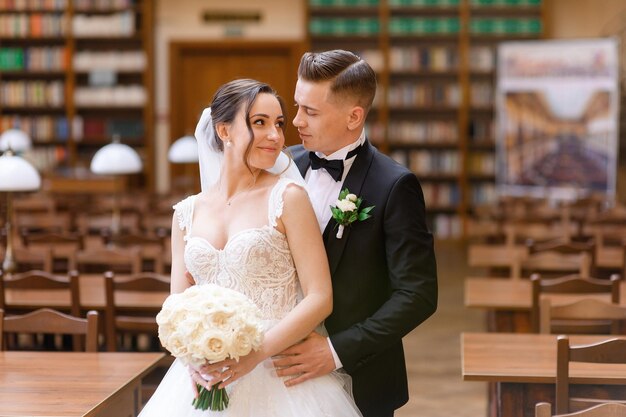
x=348, y=209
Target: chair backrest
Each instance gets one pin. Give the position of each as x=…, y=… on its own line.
x=46, y=320
x=62, y=245
x=120, y=320
x=101, y=260
x=54, y=239
x=26, y=259
x=152, y=247
x=607, y=409
x=42, y=222
x=552, y=264
x=570, y=284
x=95, y=222
x=36, y=280
x=581, y=315
x=608, y=351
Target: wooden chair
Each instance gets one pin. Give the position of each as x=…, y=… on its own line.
x=95, y=223
x=566, y=246
x=497, y=258
x=62, y=245
x=601, y=410
x=100, y=260
x=34, y=203
x=27, y=259
x=36, y=281
x=583, y=316
x=152, y=247
x=126, y=322
x=552, y=263
x=119, y=320
x=42, y=222
x=570, y=284
x=46, y=320
x=158, y=223
x=519, y=231
x=610, y=351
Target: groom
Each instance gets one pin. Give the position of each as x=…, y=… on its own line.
x=383, y=269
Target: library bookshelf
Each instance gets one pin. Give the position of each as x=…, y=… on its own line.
x=434, y=110
x=74, y=73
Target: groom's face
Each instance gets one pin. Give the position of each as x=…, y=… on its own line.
x=322, y=119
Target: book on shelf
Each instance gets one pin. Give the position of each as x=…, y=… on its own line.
x=35, y=25
x=482, y=58
x=441, y=195
x=32, y=94
x=19, y=5
x=433, y=163
x=120, y=24
x=423, y=132
x=482, y=163
x=424, y=3
x=505, y=3
x=41, y=129
x=483, y=193
x=344, y=26
x=424, y=25
x=432, y=58
x=505, y=26
x=446, y=226
x=343, y=3
x=410, y=94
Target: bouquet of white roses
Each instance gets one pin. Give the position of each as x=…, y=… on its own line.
x=209, y=323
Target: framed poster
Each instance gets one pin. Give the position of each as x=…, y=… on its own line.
x=557, y=118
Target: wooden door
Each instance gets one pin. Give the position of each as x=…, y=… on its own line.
x=197, y=69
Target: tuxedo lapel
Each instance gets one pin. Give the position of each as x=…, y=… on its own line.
x=354, y=182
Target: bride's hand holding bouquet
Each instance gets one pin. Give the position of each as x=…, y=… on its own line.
x=209, y=324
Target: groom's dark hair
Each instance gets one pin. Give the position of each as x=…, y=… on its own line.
x=351, y=77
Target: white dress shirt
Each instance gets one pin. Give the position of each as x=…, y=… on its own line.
x=324, y=191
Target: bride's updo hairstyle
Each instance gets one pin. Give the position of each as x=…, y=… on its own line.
x=230, y=97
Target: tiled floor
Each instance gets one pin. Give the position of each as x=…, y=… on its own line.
x=433, y=349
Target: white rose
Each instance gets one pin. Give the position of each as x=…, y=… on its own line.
x=351, y=197
x=215, y=349
x=242, y=345
x=346, y=205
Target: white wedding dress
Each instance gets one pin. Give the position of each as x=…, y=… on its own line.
x=256, y=262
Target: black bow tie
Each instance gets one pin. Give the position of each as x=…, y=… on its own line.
x=333, y=166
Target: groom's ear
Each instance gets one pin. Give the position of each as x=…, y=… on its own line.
x=356, y=118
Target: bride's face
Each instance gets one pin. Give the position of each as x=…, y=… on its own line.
x=267, y=122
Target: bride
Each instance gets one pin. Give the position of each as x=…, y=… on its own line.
x=252, y=229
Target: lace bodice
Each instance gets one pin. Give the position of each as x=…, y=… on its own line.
x=256, y=262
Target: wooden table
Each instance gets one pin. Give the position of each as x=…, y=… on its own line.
x=509, y=301
x=500, y=256
x=92, y=297
x=523, y=368
x=72, y=384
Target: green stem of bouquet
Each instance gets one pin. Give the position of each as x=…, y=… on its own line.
x=216, y=398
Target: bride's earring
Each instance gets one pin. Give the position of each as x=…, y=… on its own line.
x=229, y=144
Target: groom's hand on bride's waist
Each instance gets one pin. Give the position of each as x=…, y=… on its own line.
x=308, y=359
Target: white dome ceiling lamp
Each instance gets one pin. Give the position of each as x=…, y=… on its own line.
x=116, y=159
x=185, y=151
x=16, y=140
x=16, y=175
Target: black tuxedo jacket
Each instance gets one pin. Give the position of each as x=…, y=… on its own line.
x=384, y=278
